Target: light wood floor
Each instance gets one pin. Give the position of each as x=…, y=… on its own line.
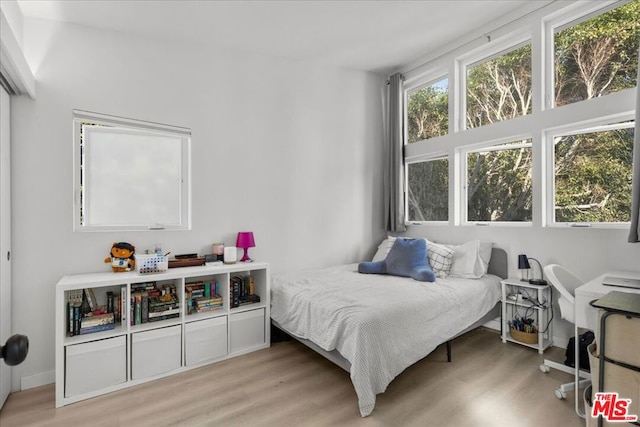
x=487, y=384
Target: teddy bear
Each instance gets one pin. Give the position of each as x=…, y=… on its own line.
x=121, y=257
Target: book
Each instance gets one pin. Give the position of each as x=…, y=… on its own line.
x=144, y=315
x=110, y=302
x=138, y=309
x=97, y=328
x=164, y=317
x=164, y=313
x=101, y=319
x=123, y=304
x=77, y=315
x=91, y=299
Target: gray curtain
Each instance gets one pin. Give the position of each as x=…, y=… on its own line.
x=635, y=187
x=393, y=155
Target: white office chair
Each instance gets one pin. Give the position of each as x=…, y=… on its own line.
x=565, y=283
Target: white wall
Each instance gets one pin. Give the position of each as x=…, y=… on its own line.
x=287, y=149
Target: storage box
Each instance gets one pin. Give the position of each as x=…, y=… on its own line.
x=618, y=379
x=205, y=340
x=155, y=352
x=94, y=365
x=151, y=263
x=246, y=329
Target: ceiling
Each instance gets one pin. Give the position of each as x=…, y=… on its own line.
x=378, y=36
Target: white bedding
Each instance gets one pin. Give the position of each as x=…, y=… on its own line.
x=380, y=324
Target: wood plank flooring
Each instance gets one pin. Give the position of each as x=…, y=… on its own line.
x=487, y=384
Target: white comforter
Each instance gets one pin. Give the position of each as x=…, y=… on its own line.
x=380, y=324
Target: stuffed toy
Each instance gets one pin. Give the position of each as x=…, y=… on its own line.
x=121, y=257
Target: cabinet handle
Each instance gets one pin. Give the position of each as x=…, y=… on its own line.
x=8, y=255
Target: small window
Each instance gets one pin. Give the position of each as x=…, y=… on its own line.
x=592, y=175
x=499, y=88
x=130, y=174
x=499, y=183
x=428, y=190
x=597, y=56
x=428, y=111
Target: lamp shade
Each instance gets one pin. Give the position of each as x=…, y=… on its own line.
x=245, y=241
x=523, y=262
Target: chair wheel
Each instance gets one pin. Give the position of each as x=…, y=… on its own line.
x=544, y=368
x=560, y=394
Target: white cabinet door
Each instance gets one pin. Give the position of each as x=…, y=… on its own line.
x=5, y=241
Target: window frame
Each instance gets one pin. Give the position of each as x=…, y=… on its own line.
x=139, y=126
x=595, y=125
x=463, y=153
x=430, y=158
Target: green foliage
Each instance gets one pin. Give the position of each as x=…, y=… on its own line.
x=428, y=113
x=428, y=191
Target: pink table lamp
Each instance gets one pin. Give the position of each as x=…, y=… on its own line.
x=245, y=241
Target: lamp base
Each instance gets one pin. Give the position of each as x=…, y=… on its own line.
x=245, y=256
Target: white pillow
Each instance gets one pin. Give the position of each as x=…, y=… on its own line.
x=467, y=262
x=383, y=249
x=485, y=255
x=440, y=258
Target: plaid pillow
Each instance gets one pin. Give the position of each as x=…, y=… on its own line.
x=440, y=258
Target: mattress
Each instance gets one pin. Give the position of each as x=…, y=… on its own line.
x=380, y=324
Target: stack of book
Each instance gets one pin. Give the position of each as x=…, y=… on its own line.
x=201, y=305
x=163, y=307
x=151, y=303
x=242, y=291
x=202, y=296
x=85, y=316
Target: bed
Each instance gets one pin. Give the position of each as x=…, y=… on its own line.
x=375, y=326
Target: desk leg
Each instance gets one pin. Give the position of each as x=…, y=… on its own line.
x=576, y=360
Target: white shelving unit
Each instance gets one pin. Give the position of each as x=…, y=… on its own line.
x=94, y=364
x=524, y=300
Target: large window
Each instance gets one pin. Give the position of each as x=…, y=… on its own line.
x=428, y=111
x=130, y=174
x=499, y=88
x=499, y=183
x=504, y=155
x=428, y=190
x=592, y=174
x=597, y=56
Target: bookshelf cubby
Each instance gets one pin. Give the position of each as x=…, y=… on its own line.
x=196, y=330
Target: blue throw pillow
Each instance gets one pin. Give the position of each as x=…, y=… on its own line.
x=407, y=258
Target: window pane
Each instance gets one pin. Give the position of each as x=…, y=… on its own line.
x=500, y=88
x=428, y=111
x=499, y=183
x=593, y=176
x=428, y=190
x=598, y=56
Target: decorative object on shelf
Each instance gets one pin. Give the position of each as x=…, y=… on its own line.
x=152, y=263
x=218, y=251
x=122, y=257
x=230, y=255
x=245, y=241
x=15, y=350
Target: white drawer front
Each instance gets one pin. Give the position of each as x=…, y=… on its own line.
x=246, y=329
x=205, y=340
x=155, y=352
x=95, y=365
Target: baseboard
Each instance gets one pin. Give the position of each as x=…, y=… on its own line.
x=493, y=324
x=37, y=380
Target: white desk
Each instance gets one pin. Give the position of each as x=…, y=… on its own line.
x=586, y=316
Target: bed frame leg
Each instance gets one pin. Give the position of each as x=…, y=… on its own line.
x=449, y=351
